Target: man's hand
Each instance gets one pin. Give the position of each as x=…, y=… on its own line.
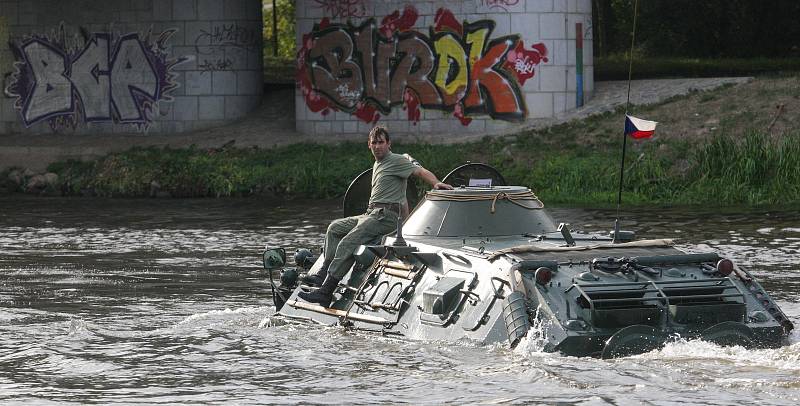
x=429, y=177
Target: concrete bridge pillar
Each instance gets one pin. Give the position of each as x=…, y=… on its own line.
x=440, y=67
x=128, y=66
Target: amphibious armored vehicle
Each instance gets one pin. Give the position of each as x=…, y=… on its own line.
x=485, y=262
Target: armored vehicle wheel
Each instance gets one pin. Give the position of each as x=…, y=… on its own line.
x=631, y=340
x=729, y=333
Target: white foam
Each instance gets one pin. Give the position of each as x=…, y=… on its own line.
x=784, y=358
x=223, y=314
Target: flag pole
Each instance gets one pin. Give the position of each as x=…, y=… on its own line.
x=624, y=135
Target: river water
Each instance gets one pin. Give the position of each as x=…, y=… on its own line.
x=164, y=302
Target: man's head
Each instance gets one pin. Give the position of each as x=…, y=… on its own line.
x=379, y=142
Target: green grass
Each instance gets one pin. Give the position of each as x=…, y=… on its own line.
x=756, y=170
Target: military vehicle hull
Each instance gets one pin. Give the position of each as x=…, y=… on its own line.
x=488, y=265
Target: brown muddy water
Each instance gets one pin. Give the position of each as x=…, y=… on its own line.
x=164, y=302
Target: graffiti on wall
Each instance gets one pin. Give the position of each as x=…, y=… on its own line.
x=215, y=65
x=226, y=47
x=343, y=8
x=587, y=30
x=369, y=69
x=227, y=35
x=99, y=77
x=499, y=4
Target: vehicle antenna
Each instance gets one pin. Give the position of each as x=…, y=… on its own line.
x=624, y=135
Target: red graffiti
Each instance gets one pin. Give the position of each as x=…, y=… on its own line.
x=396, y=22
x=445, y=20
x=522, y=61
x=459, y=114
x=314, y=101
x=343, y=8
x=367, y=113
x=411, y=105
x=324, y=23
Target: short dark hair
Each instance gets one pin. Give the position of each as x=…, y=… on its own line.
x=379, y=130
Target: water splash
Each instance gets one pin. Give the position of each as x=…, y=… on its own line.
x=243, y=315
x=536, y=340
x=699, y=351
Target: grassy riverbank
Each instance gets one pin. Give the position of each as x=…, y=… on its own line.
x=725, y=171
x=729, y=146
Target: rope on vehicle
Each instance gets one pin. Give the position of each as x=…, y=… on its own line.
x=514, y=197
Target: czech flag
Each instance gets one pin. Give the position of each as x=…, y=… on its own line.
x=638, y=128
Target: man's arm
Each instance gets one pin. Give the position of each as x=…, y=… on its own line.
x=429, y=177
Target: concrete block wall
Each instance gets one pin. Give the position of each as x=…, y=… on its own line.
x=207, y=73
x=551, y=90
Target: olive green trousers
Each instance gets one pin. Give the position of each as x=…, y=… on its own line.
x=346, y=234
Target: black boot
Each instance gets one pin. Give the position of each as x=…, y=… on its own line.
x=318, y=278
x=322, y=296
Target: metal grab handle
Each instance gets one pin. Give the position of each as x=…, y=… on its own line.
x=499, y=293
x=459, y=259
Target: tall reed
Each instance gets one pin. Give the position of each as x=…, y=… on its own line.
x=757, y=169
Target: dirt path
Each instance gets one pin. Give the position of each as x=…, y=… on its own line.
x=273, y=125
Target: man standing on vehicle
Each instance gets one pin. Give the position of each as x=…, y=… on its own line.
x=389, y=175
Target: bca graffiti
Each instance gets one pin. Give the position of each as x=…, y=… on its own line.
x=117, y=79
x=367, y=70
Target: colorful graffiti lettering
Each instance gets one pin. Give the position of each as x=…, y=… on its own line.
x=524, y=61
x=117, y=79
x=367, y=70
x=343, y=8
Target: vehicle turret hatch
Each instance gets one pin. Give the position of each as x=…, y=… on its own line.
x=479, y=211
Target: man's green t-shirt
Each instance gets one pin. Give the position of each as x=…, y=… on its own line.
x=389, y=179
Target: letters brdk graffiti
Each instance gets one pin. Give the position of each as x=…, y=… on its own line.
x=367, y=70
x=107, y=78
